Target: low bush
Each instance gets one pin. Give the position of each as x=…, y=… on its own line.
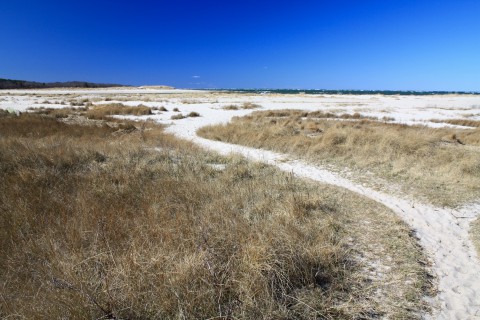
x=178, y=116
x=194, y=114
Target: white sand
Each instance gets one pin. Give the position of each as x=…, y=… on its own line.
x=442, y=232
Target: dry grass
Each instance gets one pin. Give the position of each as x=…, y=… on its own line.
x=250, y=105
x=442, y=165
x=57, y=112
x=96, y=224
x=105, y=110
x=181, y=116
x=190, y=101
x=319, y=115
x=178, y=116
x=99, y=112
x=460, y=122
x=245, y=106
x=79, y=103
x=6, y=113
x=193, y=114
x=231, y=107
x=475, y=234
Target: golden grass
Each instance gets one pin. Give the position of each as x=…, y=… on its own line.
x=319, y=114
x=442, y=165
x=245, y=106
x=96, y=224
x=250, y=105
x=475, y=234
x=57, y=112
x=231, y=107
x=193, y=114
x=178, y=116
x=99, y=112
x=104, y=110
x=190, y=101
x=460, y=122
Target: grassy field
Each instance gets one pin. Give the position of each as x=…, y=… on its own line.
x=100, y=221
x=91, y=111
x=439, y=165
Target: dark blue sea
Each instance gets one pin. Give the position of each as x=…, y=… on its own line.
x=346, y=92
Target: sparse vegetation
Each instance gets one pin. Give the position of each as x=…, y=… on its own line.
x=442, y=165
x=250, y=105
x=79, y=103
x=104, y=110
x=190, y=101
x=101, y=111
x=96, y=224
x=57, y=112
x=176, y=110
x=475, y=234
x=460, y=122
x=231, y=107
x=317, y=115
x=194, y=114
x=178, y=116
x=245, y=106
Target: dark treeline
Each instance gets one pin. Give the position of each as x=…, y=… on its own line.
x=22, y=84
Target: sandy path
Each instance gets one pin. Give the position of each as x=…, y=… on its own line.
x=442, y=232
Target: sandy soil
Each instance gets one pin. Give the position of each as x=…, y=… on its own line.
x=442, y=232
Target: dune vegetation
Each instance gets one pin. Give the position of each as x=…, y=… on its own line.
x=461, y=122
x=109, y=219
x=438, y=165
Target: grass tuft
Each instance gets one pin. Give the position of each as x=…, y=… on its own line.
x=250, y=105
x=193, y=114
x=178, y=116
x=231, y=107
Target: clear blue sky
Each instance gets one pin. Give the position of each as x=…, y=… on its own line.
x=369, y=44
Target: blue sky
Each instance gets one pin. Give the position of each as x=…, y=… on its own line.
x=396, y=45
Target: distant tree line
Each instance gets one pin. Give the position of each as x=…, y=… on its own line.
x=22, y=84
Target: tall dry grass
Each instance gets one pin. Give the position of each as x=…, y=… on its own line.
x=460, y=122
x=442, y=165
x=102, y=111
x=99, y=112
x=96, y=224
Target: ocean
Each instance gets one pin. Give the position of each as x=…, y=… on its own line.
x=346, y=92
